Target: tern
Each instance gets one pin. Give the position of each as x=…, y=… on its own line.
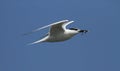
x=58, y=32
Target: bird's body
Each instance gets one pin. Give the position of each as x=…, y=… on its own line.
x=58, y=32
x=60, y=36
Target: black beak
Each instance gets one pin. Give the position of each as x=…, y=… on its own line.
x=83, y=31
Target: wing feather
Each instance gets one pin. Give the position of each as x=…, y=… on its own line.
x=59, y=27
x=44, y=27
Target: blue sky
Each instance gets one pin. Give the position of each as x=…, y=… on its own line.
x=98, y=50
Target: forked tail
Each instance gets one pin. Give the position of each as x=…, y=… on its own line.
x=36, y=42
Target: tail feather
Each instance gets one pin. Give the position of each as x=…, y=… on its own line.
x=39, y=41
x=36, y=42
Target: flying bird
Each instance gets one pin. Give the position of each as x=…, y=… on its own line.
x=58, y=32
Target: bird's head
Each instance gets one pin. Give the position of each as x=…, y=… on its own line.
x=78, y=30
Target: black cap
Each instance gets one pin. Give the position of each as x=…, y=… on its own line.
x=83, y=31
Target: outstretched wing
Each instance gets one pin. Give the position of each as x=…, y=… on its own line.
x=63, y=21
x=59, y=27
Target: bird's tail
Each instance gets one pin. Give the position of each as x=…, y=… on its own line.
x=39, y=41
x=36, y=42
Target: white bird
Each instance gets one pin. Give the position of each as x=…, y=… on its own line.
x=58, y=32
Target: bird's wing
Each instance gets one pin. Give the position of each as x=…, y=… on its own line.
x=63, y=21
x=65, y=24
x=59, y=27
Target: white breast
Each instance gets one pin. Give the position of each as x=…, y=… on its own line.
x=61, y=37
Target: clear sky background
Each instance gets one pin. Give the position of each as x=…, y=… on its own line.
x=98, y=50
